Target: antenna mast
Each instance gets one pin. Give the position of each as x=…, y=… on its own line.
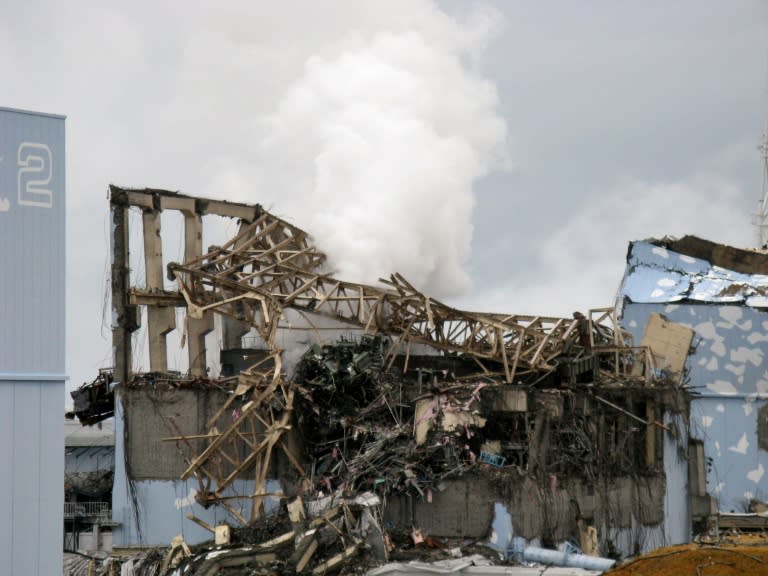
x=761, y=217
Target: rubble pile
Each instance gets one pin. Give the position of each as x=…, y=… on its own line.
x=339, y=533
x=356, y=421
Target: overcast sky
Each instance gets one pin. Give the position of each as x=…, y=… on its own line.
x=500, y=154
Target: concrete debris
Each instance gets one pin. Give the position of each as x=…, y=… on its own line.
x=80, y=565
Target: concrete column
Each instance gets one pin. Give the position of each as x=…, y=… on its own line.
x=160, y=319
x=196, y=328
x=125, y=318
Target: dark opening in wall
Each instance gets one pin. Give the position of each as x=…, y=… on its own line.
x=762, y=427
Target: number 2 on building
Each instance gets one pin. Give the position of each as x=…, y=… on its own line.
x=35, y=172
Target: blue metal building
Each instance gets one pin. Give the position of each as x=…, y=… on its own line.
x=722, y=294
x=32, y=365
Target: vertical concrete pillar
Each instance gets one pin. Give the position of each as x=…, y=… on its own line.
x=160, y=319
x=196, y=328
x=124, y=317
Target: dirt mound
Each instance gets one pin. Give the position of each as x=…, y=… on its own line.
x=723, y=559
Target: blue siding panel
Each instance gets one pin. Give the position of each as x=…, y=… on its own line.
x=727, y=372
x=32, y=257
x=728, y=367
x=32, y=341
x=7, y=442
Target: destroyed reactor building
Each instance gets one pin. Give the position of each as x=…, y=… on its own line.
x=381, y=394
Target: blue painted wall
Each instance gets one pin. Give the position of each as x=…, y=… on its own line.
x=728, y=370
x=32, y=337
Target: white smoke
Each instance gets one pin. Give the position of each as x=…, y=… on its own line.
x=376, y=148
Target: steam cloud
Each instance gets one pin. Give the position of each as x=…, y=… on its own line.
x=375, y=151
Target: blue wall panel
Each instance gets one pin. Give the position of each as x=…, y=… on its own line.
x=728, y=366
x=32, y=244
x=32, y=346
x=727, y=372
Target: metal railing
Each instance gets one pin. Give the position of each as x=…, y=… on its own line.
x=101, y=510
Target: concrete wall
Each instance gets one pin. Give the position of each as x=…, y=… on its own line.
x=629, y=513
x=32, y=336
x=462, y=509
x=154, y=414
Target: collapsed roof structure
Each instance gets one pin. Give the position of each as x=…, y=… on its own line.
x=423, y=406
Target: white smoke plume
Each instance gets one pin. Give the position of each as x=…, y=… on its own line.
x=376, y=148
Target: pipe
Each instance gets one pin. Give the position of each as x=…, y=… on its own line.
x=557, y=558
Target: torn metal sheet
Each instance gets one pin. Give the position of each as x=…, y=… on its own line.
x=656, y=274
x=670, y=344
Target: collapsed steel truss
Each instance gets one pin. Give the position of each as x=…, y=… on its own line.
x=270, y=266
